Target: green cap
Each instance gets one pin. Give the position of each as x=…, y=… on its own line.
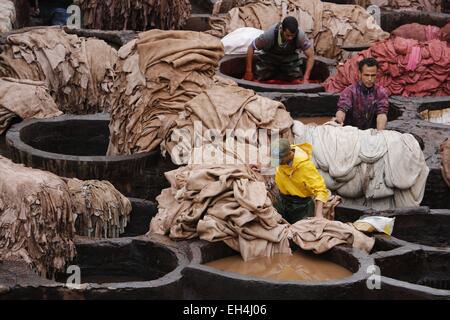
x=280, y=148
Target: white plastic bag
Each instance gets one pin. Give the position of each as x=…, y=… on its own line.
x=375, y=223
x=238, y=41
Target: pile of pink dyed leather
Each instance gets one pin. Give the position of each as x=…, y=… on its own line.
x=422, y=32
x=407, y=68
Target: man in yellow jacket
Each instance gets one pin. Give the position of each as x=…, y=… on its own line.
x=303, y=191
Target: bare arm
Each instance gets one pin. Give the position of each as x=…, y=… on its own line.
x=249, y=64
x=340, y=117
x=309, y=63
x=319, y=209
x=382, y=109
x=381, y=121
x=345, y=104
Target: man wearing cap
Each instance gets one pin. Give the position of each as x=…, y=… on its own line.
x=303, y=191
x=279, y=59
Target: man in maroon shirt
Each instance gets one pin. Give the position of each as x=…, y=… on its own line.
x=364, y=104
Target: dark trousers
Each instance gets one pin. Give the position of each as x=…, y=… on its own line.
x=54, y=16
x=294, y=208
x=278, y=67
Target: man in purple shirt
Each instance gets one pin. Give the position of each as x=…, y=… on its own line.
x=279, y=59
x=364, y=104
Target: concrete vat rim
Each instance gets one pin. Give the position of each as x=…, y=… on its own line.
x=413, y=287
x=41, y=288
x=364, y=261
x=261, y=87
x=13, y=140
x=170, y=277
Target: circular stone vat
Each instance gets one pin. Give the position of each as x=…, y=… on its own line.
x=304, y=105
x=233, y=67
x=75, y=147
x=424, y=229
x=321, y=104
x=411, y=273
x=198, y=277
x=117, y=261
x=437, y=193
x=126, y=268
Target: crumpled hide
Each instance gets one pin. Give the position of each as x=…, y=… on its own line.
x=221, y=203
x=227, y=124
x=101, y=211
x=330, y=26
x=25, y=99
x=40, y=213
x=229, y=204
x=157, y=74
x=407, y=68
x=36, y=220
x=79, y=72
x=419, y=32
x=134, y=14
x=7, y=15
x=319, y=235
x=379, y=169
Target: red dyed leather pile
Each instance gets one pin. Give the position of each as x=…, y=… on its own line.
x=422, y=32
x=407, y=68
x=417, y=32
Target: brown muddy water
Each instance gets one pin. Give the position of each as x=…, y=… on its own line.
x=296, y=267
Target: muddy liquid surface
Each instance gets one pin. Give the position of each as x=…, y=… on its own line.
x=313, y=120
x=296, y=267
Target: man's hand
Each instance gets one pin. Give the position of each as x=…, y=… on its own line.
x=340, y=117
x=248, y=76
x=249, y=64
x=256, y=167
